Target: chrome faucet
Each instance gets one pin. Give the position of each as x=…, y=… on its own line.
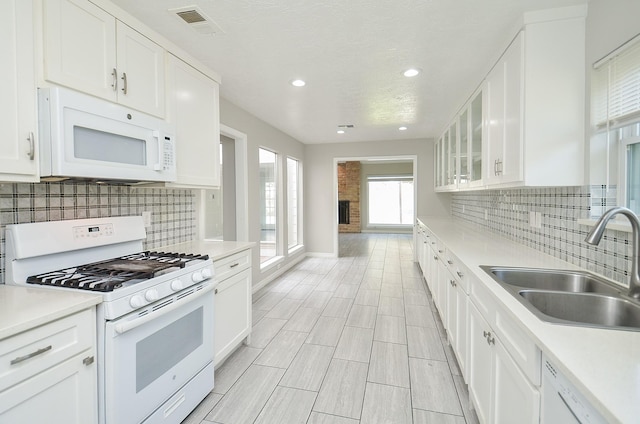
x=595, y=235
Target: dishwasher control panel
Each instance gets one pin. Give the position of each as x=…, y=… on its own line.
x=562, y=402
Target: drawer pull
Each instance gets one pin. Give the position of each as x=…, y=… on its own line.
x=460, y=274
x=88, y=360
x=449, y=261
x=31, y=355
x=440, y=251
x=234, y=265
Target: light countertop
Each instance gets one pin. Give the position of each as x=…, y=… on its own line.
x=214, y=248
x=24, y=308
x=603, y=364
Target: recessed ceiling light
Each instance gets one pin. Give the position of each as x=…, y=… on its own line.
x=340, y=131
x=402, y=128
x=298, y=83
x=411, y=72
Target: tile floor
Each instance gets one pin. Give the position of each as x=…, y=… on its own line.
x=343, y=341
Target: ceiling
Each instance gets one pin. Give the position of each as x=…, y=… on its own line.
x=351, y=53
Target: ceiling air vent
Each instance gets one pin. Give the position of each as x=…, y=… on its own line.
x=197, y=19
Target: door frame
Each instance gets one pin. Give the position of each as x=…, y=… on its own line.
x=242, y=186
x=382, y=159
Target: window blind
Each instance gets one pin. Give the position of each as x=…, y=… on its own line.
x=615, y=89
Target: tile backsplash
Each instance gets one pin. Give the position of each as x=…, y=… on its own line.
x=508, y=214
x=173, y=215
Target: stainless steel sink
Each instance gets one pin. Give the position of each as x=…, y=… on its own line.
x=569, y=297
x=549, y=279
x=589, y=309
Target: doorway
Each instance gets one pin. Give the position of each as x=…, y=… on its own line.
x=224, y=210
x=395, y=180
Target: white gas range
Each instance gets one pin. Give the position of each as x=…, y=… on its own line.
x=155, y=322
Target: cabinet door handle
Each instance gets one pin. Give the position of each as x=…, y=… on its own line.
x=486, y=334
x=435, y=258
x=234, y=265
x=114, y=81
x=32, y=146
x=449, y=261
x=88, y=360
x=460, y=274
x=30, y=355
x=124, y=80
x=440, y=251
x=215, y=291
x=491, y=340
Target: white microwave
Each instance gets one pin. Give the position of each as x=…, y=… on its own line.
x=85, y=137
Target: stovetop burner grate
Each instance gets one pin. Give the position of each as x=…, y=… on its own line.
x=106, y=276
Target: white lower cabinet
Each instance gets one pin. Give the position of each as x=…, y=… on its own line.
x=498, y=360
x=59, y=395
x=232, y=304
x=48, y=374
x=498, y=388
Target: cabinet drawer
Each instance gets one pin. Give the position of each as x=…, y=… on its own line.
x=33, y=351
x=484, y=301
x=226, y=267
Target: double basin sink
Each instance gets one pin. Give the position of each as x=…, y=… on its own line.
x=569, y=297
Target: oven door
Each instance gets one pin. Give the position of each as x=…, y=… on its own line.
x=148, y=358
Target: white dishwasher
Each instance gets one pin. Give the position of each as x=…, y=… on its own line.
x=562, y=402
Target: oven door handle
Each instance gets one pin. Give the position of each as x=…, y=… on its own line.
x=130, y=325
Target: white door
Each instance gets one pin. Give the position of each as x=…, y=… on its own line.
x=80, y=47
x=232, y=313
x=141, y=62
x=515, y=399
x=495, y=128
x=480, y=365
x=65, y=393
x=18, y=148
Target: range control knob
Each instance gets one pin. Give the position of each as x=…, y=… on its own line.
x=151, y=295
x=136, y=301
x=197, y=277
x=206, y=273
x=176, y=285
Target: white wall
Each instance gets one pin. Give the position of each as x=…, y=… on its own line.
x=319, y=190
x=259, y=134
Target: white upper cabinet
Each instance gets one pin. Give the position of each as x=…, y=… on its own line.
x=18, y=119
x=87, y=49
x=141, y=79
x=504, y=138
x=193, y=106
x=533, y=129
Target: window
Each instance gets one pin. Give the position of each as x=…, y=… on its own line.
x=615, y=112
x=293, y=202
x=390, y=200
x=268, y=205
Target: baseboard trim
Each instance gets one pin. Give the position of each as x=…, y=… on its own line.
x=269, y=278
x=321, y=255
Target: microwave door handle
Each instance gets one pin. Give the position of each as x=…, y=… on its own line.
x=158, y=166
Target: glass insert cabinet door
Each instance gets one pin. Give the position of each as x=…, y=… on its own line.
x=476, y=138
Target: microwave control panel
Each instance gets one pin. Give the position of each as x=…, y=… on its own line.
x=169, y=160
